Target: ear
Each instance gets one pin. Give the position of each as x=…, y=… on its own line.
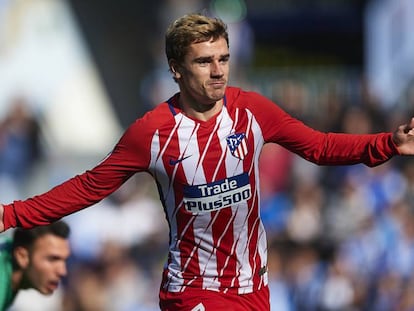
x=174, y=68
x=21, y=255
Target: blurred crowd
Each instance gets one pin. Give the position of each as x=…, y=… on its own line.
x=340, y=238
x=20, y=146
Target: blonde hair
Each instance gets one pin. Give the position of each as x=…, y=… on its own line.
x=189, y=29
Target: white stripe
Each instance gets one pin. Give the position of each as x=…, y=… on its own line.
x=187, y=137
x=167, y=189
x=207, y=256
x=224, y=130
x=262, y=243
x=234, y=167
x=159, y=172
x=203, y=245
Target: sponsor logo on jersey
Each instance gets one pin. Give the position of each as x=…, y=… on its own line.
x=237, y=145
x=217, y=195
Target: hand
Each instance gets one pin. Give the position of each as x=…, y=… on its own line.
x=403, y=137
x=1, y=218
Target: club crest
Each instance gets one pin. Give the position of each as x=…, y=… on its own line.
x=237, y=145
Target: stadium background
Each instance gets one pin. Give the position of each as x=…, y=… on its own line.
x=79, y=72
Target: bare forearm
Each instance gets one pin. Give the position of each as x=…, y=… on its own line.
x=1, y=218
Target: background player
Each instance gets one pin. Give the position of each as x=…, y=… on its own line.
x=33, y=258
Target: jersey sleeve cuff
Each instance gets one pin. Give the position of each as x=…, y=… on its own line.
x=9, y=217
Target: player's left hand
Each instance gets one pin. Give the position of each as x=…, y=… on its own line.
x=403, y=137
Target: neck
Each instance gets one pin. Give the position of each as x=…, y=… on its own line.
x=20, y=280
x=202, y=112
x=17, y=280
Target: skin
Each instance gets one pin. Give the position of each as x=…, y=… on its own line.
x=202, y=78
x=404, y=138
x=43, y=266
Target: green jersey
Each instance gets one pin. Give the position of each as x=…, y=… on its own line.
x=6, y=293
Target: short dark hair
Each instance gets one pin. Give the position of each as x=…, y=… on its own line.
x=27, y=237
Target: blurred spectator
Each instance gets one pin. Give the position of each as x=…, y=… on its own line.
x=121, y=268
x=19, y=147
x=132, y=209
x=388, y=292
x=305, y=274
x=275, y=167
x=305, y=221
x=337, y=292
x=20, y=140
x=346, y=211
x=280, y=298
x=113, y=281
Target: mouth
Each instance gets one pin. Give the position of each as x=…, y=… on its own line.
x=52, y=286
x=217, y=84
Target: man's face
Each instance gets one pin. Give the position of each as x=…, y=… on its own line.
x=203, y=75
x=47, y=263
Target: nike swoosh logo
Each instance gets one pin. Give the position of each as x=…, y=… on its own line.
x=175, y=162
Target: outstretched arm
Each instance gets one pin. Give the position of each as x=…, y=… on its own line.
x=403, y=138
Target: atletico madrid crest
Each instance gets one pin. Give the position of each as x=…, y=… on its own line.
x=237, y=145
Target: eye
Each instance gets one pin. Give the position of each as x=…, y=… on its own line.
x=225, y=59
x=203, y=61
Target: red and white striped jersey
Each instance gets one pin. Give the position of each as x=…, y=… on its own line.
x=207, y=176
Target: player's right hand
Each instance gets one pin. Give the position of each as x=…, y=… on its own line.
x=403, y=138
x=1, y=218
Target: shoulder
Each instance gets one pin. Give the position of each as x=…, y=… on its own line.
x=240, y=96
x=140, y=133
x=160, y=114
x=152, y=120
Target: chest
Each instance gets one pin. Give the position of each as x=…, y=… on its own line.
x=196, y=153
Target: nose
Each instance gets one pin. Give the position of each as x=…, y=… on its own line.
x=62, y=270
x=216, y=70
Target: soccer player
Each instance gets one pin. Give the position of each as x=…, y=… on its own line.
x=202, y=148
x=33, y=258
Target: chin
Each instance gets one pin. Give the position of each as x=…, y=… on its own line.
x=217, y=96
x=46, y=292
